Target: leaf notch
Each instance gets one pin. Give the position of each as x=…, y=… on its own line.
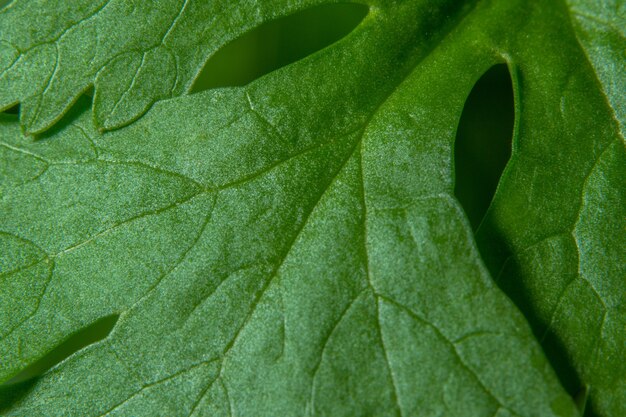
x=484, y=141
x=93, y=333
x=278, y=43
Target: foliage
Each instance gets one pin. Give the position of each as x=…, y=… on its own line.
x=294, y=246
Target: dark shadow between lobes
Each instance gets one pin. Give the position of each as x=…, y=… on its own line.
x=18, y=386
x=278, y=43
x=483, y=142
x=15, y=110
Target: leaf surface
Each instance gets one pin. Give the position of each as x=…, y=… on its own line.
x=294, y=247
x=554, y=235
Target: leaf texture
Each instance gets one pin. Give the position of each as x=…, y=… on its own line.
x=294, y=247
x=132, y=53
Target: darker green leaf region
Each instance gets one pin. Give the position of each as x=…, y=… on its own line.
x=13, y=110
x=89, y=335
x=483, y=141
x=278, y=43
x=11, y=394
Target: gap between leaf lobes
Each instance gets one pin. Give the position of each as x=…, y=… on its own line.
x=89, y=335
x=483, y=142
x=278, y=43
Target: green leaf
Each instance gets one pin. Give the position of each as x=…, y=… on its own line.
x=554, y=236
x=294, y=246
x=132, y=53
x=601, y=30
